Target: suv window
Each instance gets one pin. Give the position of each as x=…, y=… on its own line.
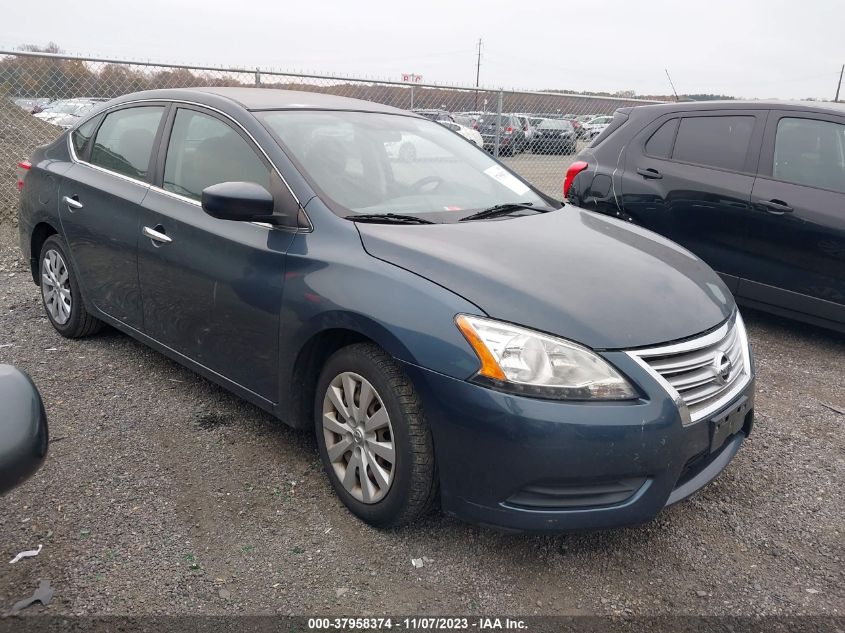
x=659, y=144
x=716, y=141
x=204, y=151
x=124, y=142
x=82, y=135
x=810, y=152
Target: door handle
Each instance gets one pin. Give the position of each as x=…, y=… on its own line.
x=156, y=236
x=72, y=203
x=775, y=207
x=650, y=174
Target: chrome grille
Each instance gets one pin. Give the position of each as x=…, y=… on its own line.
x=702, y=374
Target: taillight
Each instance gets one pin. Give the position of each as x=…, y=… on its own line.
x=509, y=130
x=23, y=169
x=574, y=169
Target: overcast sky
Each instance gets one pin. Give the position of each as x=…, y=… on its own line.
x=751, y=48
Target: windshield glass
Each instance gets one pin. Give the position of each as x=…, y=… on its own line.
x=373, y=163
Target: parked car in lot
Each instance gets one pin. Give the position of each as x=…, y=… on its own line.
x=473, y=136
x=527, y=127
x=32, y=105
x=66, y=113
x=450, y=333
x=576, y=124
x=595, y=126
x=755, y=189
x=512, y=138
x=554, y=136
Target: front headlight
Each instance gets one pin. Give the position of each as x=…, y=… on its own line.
x=534, y=364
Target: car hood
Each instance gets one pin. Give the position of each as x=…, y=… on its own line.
x=583, y=276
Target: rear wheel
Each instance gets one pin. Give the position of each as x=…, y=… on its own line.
x=60, y=292
x=373, y=438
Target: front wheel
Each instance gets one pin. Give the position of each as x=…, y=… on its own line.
x=373, y=438
x=60, y=292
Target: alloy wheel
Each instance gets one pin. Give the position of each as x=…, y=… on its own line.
x=55, y=286
x=359, y=437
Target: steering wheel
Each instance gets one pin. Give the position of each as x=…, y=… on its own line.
x=428, y=180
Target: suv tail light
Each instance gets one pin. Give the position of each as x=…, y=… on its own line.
x=509, y=130
x=574, y=169
x=23, y=169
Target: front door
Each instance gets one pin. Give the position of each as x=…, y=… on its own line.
x=212, y=289
x=99, y=208
x=689, y=178
x=797, y=221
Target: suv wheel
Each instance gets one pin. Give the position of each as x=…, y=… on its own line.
x=373, y=438
x=61, y=294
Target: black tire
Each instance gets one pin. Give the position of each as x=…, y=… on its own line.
x=79, y=323
x=414, y=488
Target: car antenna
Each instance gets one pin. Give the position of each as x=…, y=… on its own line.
x=666, y=70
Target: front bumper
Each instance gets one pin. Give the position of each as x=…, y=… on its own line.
x=527, y=464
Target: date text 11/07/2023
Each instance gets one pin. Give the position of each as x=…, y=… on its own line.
x=417, y=624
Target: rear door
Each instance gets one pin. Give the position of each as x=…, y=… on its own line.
x=689, y=176
x=212, y=289
x=797, y=219
x=99, y=206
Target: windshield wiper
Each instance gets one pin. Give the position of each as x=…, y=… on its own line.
x=388, y=218
x=503, y=209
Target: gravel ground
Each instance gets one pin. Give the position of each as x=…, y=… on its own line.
x=163, y=494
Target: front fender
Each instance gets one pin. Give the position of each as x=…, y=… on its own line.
x=331, y=283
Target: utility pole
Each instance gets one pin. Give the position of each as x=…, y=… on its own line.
x=478, y=73
x=666, y=70
x=839, y=85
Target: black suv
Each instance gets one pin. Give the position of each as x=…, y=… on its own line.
x=756, y=189
x=512, y=137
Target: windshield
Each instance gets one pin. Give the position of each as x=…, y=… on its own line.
x=373, y=163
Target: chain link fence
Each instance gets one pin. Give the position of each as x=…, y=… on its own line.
x=537, y=134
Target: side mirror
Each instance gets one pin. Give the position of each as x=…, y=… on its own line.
x=23, y=428
x=239, y=201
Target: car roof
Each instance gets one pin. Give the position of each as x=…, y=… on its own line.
x=264, y=99
x=691, y=106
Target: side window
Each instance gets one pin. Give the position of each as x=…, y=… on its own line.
x=204, y=151
x=125, y=140
x=82, y=135
x=659, y=144
x=810, y=152
x=717, y=141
